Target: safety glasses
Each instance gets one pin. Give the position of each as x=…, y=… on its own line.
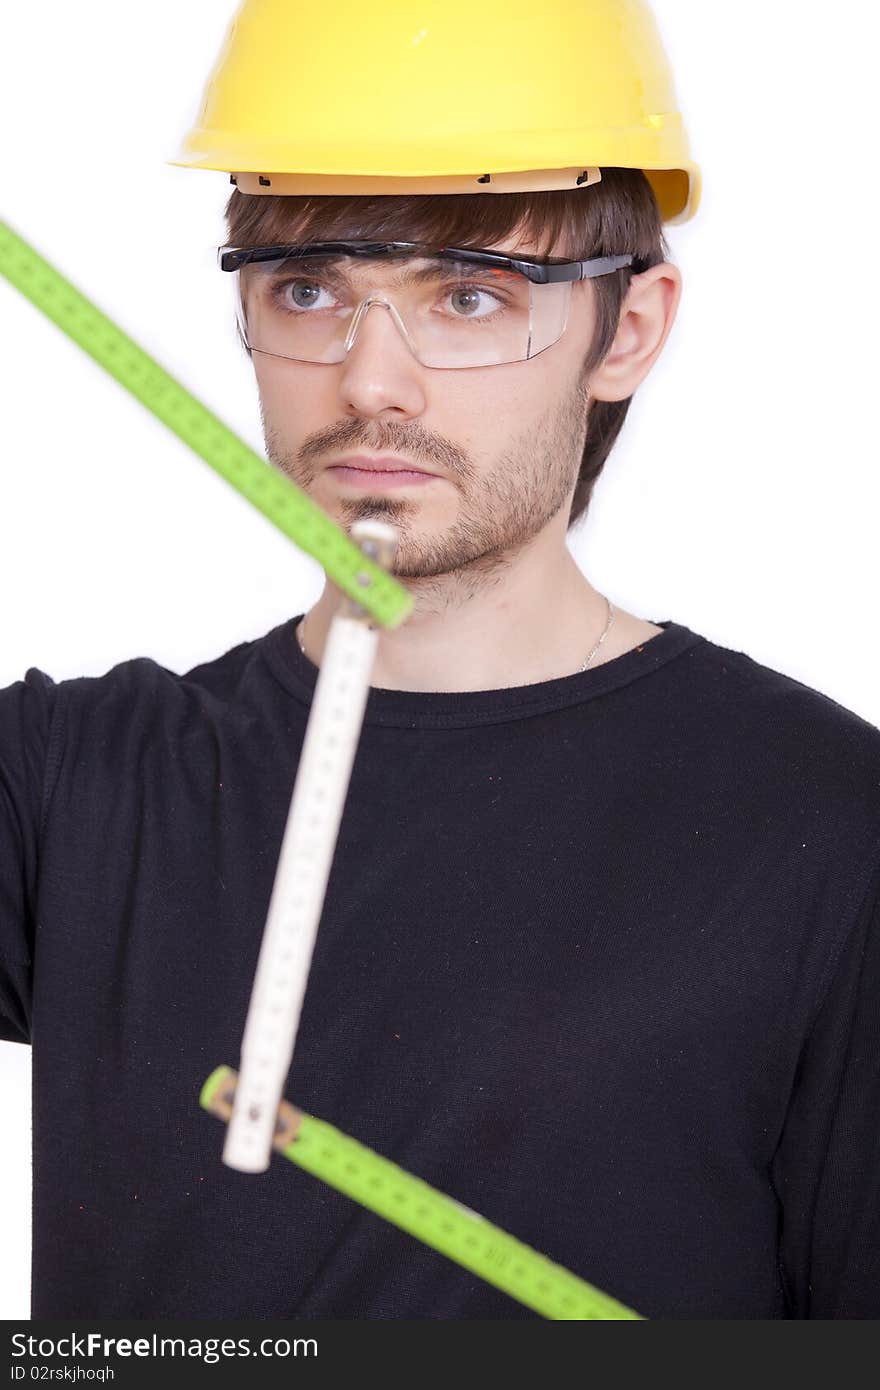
x=454, y=306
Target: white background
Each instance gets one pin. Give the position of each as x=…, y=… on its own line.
x=741, y=498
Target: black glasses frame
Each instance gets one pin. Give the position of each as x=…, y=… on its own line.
x=539, y=271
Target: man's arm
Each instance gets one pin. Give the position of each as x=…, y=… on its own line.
x=26, y=714
x=827, y=1166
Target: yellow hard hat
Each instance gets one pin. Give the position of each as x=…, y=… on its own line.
x=442, y=96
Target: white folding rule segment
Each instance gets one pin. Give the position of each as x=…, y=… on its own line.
x=307, y=849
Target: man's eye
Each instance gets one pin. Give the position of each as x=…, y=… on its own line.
x=466, y=298
x=299, y=294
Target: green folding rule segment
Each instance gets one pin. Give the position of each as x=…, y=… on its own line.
x=292, y=511
x=432, y=1217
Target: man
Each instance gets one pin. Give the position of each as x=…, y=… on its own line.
x=601, y=943
x=482, y=547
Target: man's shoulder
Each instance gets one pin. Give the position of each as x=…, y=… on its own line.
x=144, y=681
x=779, y=724
x=768, y=687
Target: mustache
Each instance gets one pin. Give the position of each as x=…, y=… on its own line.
x=392, y=439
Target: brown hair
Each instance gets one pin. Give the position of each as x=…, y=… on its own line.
x=619, y=214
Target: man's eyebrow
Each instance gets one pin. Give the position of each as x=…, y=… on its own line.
x=410, y=275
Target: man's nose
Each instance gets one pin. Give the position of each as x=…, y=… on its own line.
x=360, y=317
x=380, y=371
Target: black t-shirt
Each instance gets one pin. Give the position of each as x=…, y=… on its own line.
x=600, y=958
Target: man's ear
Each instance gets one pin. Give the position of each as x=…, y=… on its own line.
x=646, y=318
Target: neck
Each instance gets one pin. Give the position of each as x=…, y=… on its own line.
x=534, y=618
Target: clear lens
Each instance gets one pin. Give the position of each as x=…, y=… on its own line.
x=452, y=314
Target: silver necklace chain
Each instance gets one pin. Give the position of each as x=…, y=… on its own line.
x=604, y=634
x=611, y=610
